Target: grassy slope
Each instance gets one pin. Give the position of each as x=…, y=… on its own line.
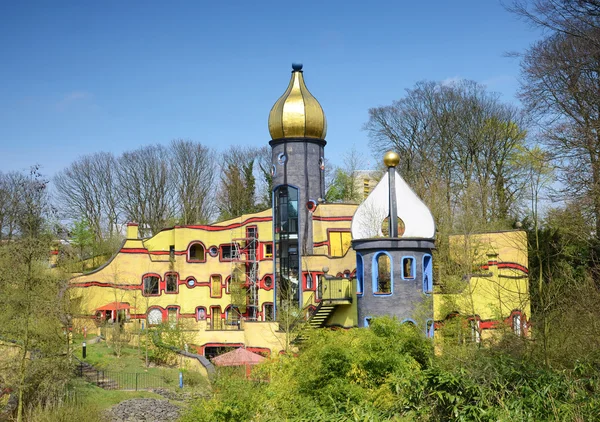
x=100, y=399
x=90, y=401
x=132, y=360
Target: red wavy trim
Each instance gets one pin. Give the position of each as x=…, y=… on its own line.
x=101, y=284
x=228, y=227
x=318, y=218
x=511, y=265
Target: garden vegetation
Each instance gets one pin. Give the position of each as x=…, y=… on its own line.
x=391, y=372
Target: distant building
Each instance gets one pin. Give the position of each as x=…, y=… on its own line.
x=366, y=180
x=341, y=264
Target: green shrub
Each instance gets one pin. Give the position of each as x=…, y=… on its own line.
x=194, y=379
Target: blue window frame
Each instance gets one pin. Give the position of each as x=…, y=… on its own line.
x=429, y=328
x=409, y=321
x=359, y=275
x=409, y=268
x=383, y=274
x=427, y=274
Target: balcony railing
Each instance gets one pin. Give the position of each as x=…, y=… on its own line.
x=335, y=289
x=225, y=325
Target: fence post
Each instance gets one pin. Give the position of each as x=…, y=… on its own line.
x=136, y=381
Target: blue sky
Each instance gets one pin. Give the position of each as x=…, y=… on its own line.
x=80, y=77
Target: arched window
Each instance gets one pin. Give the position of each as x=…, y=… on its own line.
x=427, y=274
x=359, y=274
x=232, y=315
x=172, y=315
x=201, y=313
x=309, y=281
x=382, y=274
x=408, y=268
x=409, y=322
x=154, y=316
x=429, y=328
x=196, y=253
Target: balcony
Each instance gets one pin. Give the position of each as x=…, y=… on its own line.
x=335, y=291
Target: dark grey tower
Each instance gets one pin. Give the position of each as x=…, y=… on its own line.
x=297, y=126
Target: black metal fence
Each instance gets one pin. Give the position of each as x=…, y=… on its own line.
x=112, y=380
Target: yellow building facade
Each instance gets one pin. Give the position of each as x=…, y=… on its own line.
x=494, y=290
x=184, y=274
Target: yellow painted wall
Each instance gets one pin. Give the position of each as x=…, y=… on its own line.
x=499, y=285
x=120, y=279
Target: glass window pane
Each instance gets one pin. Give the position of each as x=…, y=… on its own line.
x=384, y=275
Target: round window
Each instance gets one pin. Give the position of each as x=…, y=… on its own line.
x=191, y=282
x=268, y=282
x=213, y=251
x=282, y=158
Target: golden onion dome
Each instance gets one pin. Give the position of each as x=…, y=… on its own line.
x=297, y=114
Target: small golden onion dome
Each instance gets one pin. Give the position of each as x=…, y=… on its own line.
x=391, y=159
x=297, y=114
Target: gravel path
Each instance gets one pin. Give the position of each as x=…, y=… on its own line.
x=143, y=410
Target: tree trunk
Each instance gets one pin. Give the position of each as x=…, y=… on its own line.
x=23, y=364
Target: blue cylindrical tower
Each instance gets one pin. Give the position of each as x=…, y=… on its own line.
x=393, y=236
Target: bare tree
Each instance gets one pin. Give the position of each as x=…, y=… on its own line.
x=146, y=188
x=454, y=139
x=105, y=166
x=11, y=187
x=86, y=190
x=194, y=169
x=561, y=79
x=580, y=19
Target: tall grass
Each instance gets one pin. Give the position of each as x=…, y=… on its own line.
x=65, y=412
